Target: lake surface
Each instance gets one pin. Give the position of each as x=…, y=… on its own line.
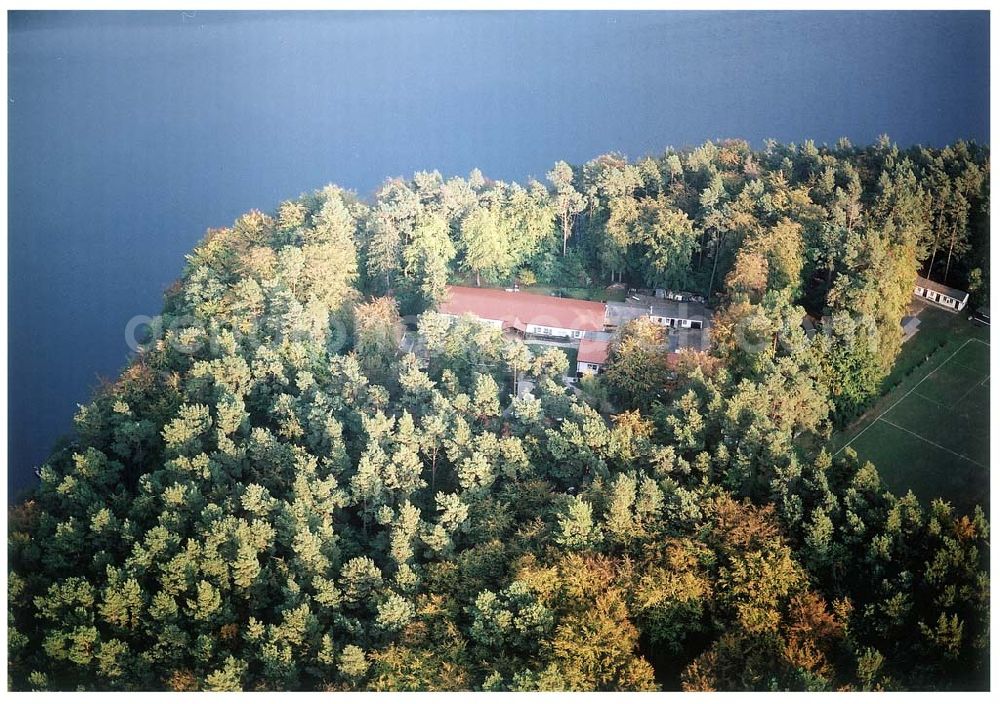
x=131, y=134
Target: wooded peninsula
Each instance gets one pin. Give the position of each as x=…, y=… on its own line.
x=311, y=478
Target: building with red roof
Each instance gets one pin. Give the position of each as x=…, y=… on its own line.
x=592, y=355
x=590, y=323
x=528, y=313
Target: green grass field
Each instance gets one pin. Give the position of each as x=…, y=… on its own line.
x=930, y=433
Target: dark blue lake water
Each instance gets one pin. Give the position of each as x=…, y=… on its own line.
x=130, y=134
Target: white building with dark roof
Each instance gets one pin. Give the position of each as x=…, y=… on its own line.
x=944, y=296
x=685, y=315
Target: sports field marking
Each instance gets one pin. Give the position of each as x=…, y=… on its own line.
x=971, y=389
x=931, y=442
x=901, y=398
x=928, y=399
x=966, y=366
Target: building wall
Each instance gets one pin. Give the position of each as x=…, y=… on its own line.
x=531, y=329
x=587, y=368
x=940, y=298
x=947, y=301
x=549, y=331
x=676, y=322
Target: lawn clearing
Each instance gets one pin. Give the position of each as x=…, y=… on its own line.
x=907, y=463
x=931, y=433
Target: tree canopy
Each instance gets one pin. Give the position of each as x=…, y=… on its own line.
x=275, y=494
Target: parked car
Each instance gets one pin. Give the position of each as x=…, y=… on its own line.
x=981, y=316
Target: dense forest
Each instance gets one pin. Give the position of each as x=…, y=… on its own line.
x=274, y=496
